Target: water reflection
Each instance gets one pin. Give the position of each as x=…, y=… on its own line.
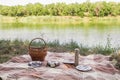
x=87, y=35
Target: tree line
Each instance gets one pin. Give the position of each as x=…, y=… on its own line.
x=88, y=9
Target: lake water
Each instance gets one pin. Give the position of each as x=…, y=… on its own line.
x=86, y=35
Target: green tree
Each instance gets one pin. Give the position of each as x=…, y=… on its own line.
x=4, y=10
x=21, y=11
x=61, y=9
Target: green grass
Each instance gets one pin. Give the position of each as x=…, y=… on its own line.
x=62, y=20
x=8, y=48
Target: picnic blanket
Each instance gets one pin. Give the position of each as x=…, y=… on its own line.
x=17, y=68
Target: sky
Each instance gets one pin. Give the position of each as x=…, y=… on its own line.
x=24, y=2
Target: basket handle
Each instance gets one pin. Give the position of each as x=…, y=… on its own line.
x=35, y=39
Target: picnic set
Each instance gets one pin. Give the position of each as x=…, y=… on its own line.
x=39, y=52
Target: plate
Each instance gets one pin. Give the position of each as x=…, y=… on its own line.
x=35, y=63
x=68, y=62
x=83, y=67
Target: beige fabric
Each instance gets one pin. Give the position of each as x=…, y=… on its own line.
x=17, y=68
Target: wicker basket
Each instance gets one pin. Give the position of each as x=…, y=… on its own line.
x=37, y=53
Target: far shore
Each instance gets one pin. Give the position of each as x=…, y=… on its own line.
x=62, y=20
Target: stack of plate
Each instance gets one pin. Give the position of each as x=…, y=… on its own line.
x=35, y=63
x=84, y=68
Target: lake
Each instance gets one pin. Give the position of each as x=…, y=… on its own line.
x=87, y=35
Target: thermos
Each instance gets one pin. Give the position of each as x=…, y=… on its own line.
x=76, y=57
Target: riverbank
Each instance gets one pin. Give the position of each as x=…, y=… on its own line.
x=8, y=48
x=62, y=20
